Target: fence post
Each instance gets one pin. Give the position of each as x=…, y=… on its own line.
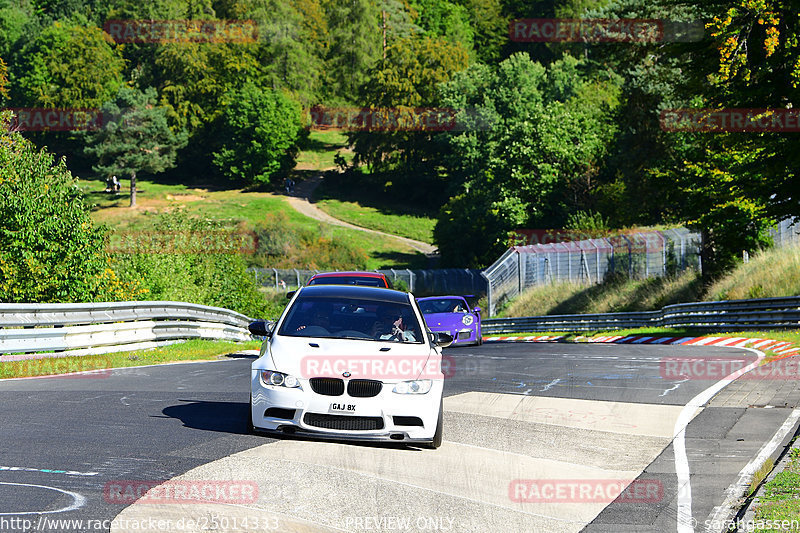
x=569, y=263
x=297, y=275
x=585, y=267
x=683, y=253
x=489, y=299
x=410, y=280
x=276, y=278
x=630, y=257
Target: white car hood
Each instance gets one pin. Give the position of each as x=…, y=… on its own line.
x=402, y=361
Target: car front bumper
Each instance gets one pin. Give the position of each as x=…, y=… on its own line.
x=281, y=409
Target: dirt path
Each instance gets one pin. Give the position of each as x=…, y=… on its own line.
x=300, y=200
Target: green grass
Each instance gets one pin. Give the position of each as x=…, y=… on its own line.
x=410, y=226
x=781, y=495
x=773, y=272
x=237, y=207
x=617, y=295
x=193, y=350
x=356, y=200
x=318, y=151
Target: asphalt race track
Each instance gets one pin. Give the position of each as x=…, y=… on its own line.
x=520, y=419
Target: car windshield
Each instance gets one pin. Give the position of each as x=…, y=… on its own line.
x=364, y=281
x=352, y=318
x=444, y=305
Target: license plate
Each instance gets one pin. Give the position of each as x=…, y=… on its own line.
x=343, y=407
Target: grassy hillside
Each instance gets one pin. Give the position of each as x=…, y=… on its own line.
x=613, y=296
x=358, y=202
x=295, y=240
x=774, y=272
x=317, y=244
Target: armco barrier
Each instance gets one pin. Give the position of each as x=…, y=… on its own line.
x=764, y=313
x=96, y=328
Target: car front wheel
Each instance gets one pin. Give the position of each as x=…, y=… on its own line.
x=250, y=428
x=437, y=437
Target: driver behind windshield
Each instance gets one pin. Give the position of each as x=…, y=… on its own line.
x=320, y=317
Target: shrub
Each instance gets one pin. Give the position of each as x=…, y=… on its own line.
x=50, y=249
x=215, y=276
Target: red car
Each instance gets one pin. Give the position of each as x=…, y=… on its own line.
x=367, y=279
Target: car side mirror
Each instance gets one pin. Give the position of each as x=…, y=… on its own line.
x=290, y=294
x=442, y=339
x=261, y=328
x=476, y=310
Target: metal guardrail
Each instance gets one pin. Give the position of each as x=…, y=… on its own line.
x=96, y=328
x=769, y=313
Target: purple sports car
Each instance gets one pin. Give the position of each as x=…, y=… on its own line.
x=452, y=315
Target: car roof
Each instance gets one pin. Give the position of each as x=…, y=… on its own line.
x=348, y=273
x=355, y=291
x=441, y=298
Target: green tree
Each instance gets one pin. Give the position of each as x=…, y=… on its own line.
x=260, y=129
x=489, y=27
x=50, y=250
x=408, y=78
x=135, y=137
x=549, y=132
x=441, y=18
x=292, y=46
x=355, y=47
x=68, y=66
x=193, y=77
x=14, y=18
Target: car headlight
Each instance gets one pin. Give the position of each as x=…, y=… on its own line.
x=419, y=386
x=467, y=320
x=279, y=379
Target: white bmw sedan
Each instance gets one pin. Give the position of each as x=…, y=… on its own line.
x=349, y=362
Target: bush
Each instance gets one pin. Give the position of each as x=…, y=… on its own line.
x=50, y=249
x=215, y=276
x=283, y=245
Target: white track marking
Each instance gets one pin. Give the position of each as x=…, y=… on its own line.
x=679, y=443
x=78, y=500
x=738, y=488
